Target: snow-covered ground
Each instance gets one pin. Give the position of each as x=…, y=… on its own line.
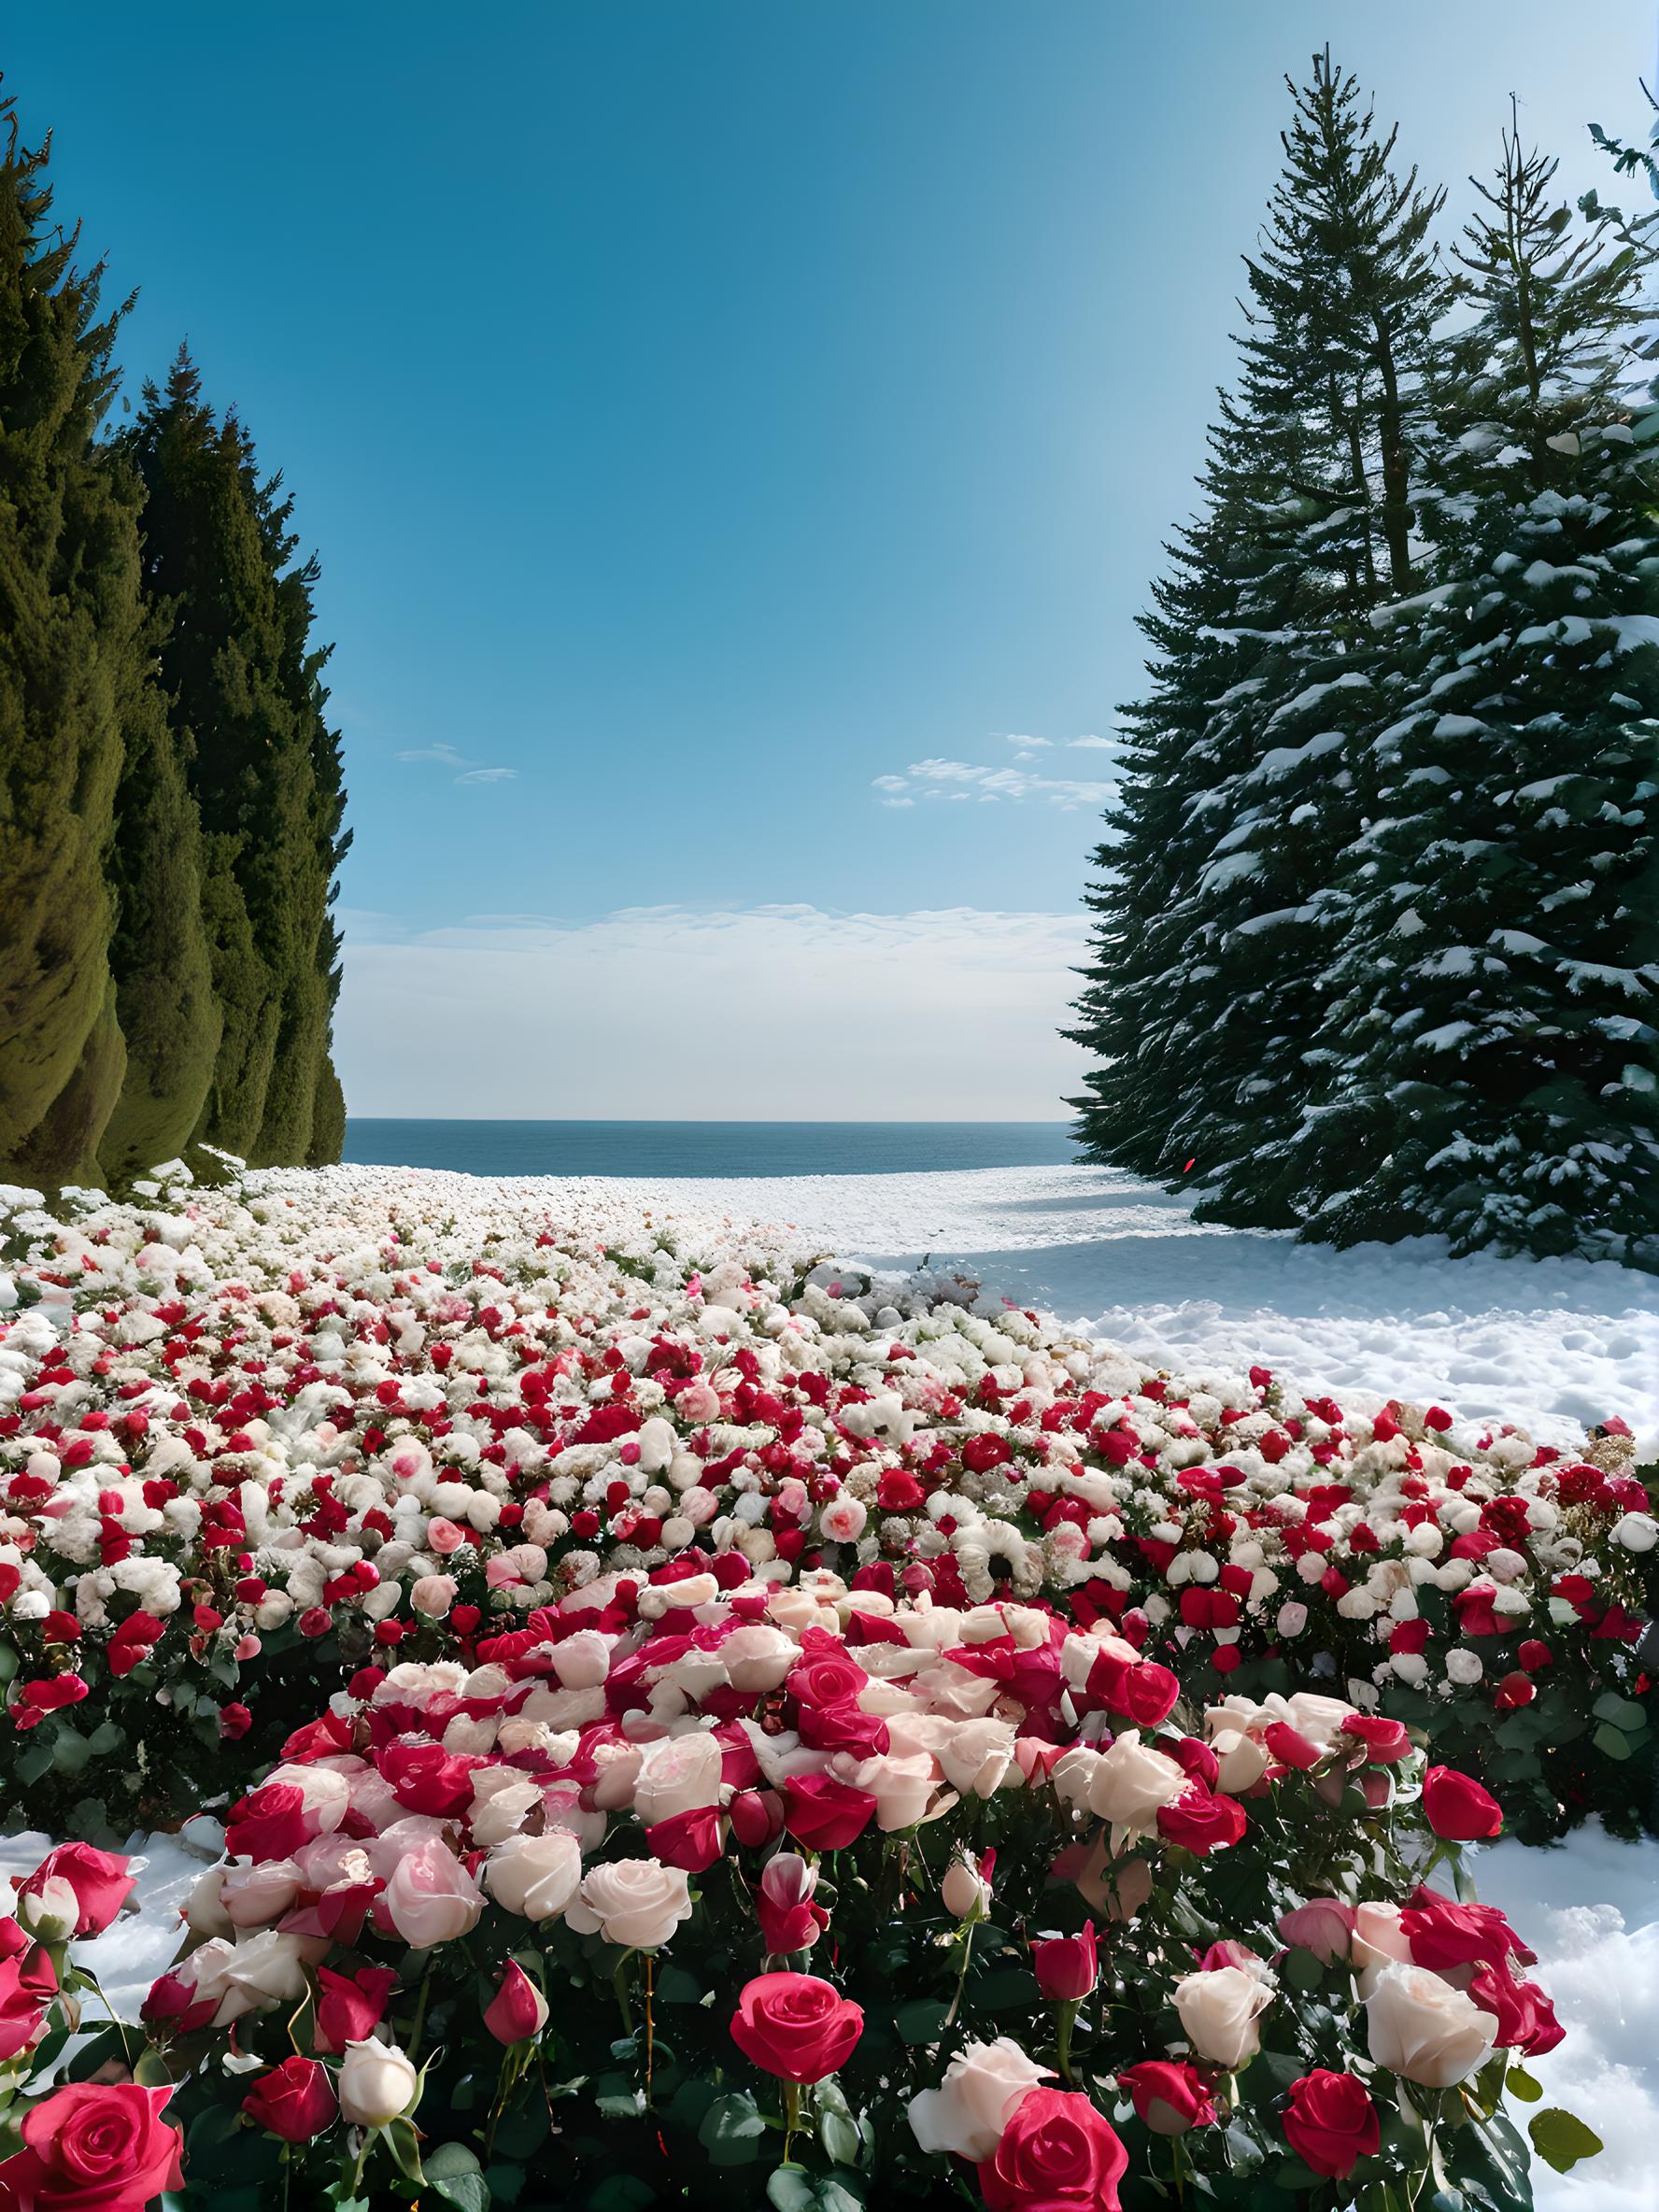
x=1590, y=1908
x=1554, y=1344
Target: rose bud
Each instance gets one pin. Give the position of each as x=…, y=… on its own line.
x=1067, y=1967
x=377, y=2084
x=1170, y=2097
x=1458, y=1809
x=517, y=2010
x=294, y=2099
x=1331, y=2122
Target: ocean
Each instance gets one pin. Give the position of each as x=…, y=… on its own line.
x=713, y=1148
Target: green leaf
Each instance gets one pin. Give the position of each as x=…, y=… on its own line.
x=451, y=2161
x=1519, y=2083
x=732, y=2129
x=839, y=2137
x=921, y=2020
x=1611, y=1742
x=106, y=1738
x=404, y=2147
x=789, y=2190
x=470, y=2192
x=1302, y=1970
x=674, y=1986
x=1561, y=2138
x=70, y=1752
x=1623, y=1712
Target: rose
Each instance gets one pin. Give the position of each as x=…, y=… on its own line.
x=1331, y=2122
x=1067, y=1967
x=824, y=1814
x=28, y=1981
x=1169, y=2098
x=517, y=2010
x=1132, y=1783
x=1219, y=2010
x=1444, y=1935
x=1202, y=1822
x=795, y=2026
x=433, y=1594
x=1324, y=1925
x=430, y=1897
x=1422, y=2029
x=965, y=2116
x=636, y=1904
x=50, y=1910
x=677, y=1774
x=1457, y=1808
x=350, y=2007
x=95, y=2148
x=99, y=1879
x=964, y=1893
x=255, y=1896
x=1385, y=1741
x=1056, y=2152
x=294, y=2099
x=903, y=1790
x=789, y=1920
x=377, y=2084
x=1525, y=2018
x=535, y=1876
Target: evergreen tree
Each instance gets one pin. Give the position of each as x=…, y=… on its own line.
x=1242, y=789
x=158, y=954
x=246, y=687
x=73, y=652
x=1495, y=995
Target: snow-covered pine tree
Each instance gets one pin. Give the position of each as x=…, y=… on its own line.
x=1497, y=991
x=1203, y=997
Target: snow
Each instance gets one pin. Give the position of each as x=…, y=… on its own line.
x=1554, y=1345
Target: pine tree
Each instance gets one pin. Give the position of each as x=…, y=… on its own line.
x=245, y=684
x=1214, y=923
x=1497, y=991
x=73, y=649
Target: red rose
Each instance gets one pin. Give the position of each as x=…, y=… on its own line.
x=295, y=2100
x=517, y=2010
x=824, y=1814
x=1533, y=1656
x=795, y=2026
x=689, y=1840
x=235, y=1721
x=1525, y=2018
x=1290, y=1747
x=100, y=1880
x=1444, y=1935
x=349, y=2007
x=1170, y=2097
x=27, y=1982
x=1457, y=1808
x=93, y=2148
x=1384, y=1741
x=1067, y=1967
x=1331, y=2124
x=1057, y=2154
x=1202, y=1823
x=268, y=1823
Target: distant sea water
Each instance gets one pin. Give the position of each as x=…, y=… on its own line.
x=708, y=1148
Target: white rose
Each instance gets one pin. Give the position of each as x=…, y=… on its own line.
x=1462, y=1668
x=582, y=1661
x=636, y=1904
x=536, y=1875
x=265, y=1970
x=902, y=1788
x=1132, y=1782
x=676, y=1774
x=1219, y=2011
x=964, y=1893
x=982, y=2089
x=255, y=1896
x=1637, y=1532
x=1422, y=2029
x=376, y=2084
x=430, y=1897
x=1378, y=1941
x=756, y=1656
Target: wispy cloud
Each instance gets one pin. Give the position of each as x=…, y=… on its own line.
x=918, y=1012
x=467, y=771
x=987, y=784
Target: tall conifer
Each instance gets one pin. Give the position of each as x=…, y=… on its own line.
x=73, y=652
x=1496, y=994
x=245, y=683
x=1239, y=798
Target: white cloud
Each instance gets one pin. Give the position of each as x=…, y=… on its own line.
x=1005, y=783
x=1015, y=737
x=1101, y=744
x=472, y=772
x=772, y=1013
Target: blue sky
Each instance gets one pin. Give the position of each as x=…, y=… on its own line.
x=705, y=412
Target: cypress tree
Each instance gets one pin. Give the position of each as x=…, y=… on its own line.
x=245, y=684
x=1496, y=988
x=159, y=953
x=1239, y=798
x=74, y=650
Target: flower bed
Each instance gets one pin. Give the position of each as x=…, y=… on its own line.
x=252, y=1436
x=690, y=1895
